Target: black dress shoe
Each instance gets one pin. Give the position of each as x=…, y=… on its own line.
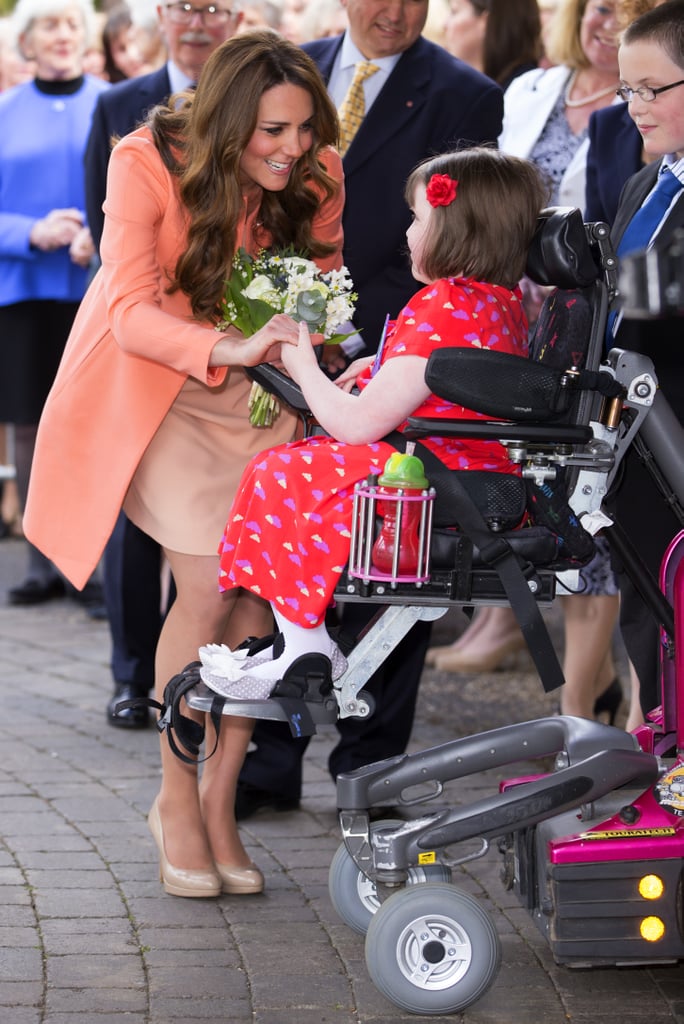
x=127, y=718
x=34, y=591
x=251, y=799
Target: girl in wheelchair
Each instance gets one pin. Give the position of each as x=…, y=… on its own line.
x=287, y=538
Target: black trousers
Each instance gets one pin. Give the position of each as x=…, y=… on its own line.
x=638, y=506
x=276, y=764
x=650, y=524
x=132, y=591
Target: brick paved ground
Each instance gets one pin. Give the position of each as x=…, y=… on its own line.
x=88, y=937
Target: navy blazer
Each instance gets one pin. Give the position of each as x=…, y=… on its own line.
x=658, y=339
x=431, y=103
x=615, y=154
x=127, y=105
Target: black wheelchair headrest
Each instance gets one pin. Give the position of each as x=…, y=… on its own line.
x=560, y=253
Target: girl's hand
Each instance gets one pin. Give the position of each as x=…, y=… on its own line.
x=299, y=357
x=265, y=346
x=347, y=380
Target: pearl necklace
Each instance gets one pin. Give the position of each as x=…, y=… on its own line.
x=585, y=99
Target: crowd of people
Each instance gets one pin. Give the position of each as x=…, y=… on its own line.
x=171, y=137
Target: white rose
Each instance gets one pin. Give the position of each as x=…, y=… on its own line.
x=261, y=287
x=299, y=266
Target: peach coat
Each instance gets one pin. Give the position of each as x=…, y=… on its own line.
x=131, y=348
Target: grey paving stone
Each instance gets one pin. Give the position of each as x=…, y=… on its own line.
x=74, y=794
x=20, y=965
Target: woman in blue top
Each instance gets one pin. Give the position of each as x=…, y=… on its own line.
x=45, y=244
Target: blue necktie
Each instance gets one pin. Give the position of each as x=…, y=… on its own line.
x=639, y=231
x=641, y=227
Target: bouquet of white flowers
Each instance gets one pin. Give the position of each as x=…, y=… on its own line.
x=284, y=282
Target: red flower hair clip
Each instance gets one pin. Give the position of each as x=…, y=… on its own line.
x=441, y=190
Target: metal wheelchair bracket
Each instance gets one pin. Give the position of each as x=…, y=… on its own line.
x=372, y=650
x=355, y=829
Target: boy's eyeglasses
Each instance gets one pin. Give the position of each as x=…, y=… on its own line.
x=182, y=14
x=644, y=92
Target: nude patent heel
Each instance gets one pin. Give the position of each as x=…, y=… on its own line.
x=240, y=881
x=180, y=881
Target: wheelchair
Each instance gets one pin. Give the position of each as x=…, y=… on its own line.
x=593, y=846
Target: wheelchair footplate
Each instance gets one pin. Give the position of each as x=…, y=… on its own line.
x=303, y=698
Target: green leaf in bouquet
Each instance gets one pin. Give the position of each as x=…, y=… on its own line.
x=337, y=339
x=260, y=312
x=248, y=315
x=311, y=306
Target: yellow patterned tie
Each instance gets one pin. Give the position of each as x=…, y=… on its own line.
x=353, y=106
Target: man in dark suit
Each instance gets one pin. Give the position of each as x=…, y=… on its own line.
x=420, y=101
x=132, y=561
x=651, y=59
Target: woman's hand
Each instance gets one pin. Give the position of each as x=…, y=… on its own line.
x=264, y=346
x=82, y=249
x=57, y=230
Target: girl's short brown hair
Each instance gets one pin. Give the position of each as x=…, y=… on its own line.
x=486, y=230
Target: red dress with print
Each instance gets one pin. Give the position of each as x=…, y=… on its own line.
x=288, y=535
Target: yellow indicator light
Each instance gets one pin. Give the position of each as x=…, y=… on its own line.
x=651, y=887
x=652, y=929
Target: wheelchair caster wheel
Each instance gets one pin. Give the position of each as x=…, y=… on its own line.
x=355, y=897
x=431, y=949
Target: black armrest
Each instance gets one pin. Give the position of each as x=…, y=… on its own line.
x=494, y=430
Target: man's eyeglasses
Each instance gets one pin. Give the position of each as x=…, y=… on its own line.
x=644, y=92
x=182, y=14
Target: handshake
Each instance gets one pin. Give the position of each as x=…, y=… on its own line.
x=62, y=228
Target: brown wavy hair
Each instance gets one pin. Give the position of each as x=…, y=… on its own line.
x=201, y=137
x=486, y=230
x=512, y=37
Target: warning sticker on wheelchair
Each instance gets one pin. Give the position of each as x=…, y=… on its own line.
x=427, y=858
x=628, y=833
x=669, y=791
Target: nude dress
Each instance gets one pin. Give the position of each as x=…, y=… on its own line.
x=190, y=471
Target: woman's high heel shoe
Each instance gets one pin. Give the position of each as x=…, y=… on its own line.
x=180, y=881
x=609, y=701
x=240, y=881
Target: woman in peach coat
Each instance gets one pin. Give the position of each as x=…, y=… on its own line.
x=149, y=408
